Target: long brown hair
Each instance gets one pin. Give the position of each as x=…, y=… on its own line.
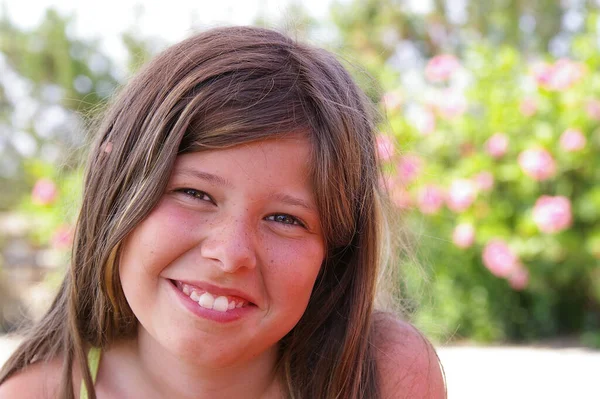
x=221, y=88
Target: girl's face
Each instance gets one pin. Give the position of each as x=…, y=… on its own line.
x=224, y=265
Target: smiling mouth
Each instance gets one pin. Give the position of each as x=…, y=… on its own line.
x=207, y=300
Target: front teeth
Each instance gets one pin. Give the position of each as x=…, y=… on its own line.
x=220, y=304
x=208, y=301
x=194, y=295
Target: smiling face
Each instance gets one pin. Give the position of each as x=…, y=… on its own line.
x=237, y=230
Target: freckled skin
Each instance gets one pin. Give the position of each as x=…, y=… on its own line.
x=228, y=239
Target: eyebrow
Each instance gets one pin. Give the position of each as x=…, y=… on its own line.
x=290, y=200
x=209, y=177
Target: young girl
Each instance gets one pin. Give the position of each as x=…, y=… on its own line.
x=229, y=240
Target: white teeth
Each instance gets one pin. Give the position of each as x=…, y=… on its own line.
x=220, y=304
x=194, y=295
x=206, y=300
x=209, y=301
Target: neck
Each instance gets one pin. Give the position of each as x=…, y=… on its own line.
x=142, y=368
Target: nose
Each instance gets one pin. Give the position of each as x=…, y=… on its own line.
x=231, y=243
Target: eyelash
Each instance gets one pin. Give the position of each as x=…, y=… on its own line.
x=291, y=220
x=196, y=194
x=294, y=220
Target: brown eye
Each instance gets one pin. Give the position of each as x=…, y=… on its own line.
x=196, y=194
x=286, y=220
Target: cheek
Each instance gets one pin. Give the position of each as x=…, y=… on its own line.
x=292, y=271
x=157, y=241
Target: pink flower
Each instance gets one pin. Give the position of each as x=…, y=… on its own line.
x=423, y=119
x=62, y=237
x=528, y=107
x=565, y=74
x=592, y=107
x=560, y=76
x=461, y=195
x=441, y=68
x=552, y=214
x=430, y=199
x=409, y=168
x=451, y=104
x=392, y=100
x=44, y=192
x=497, y=145
x=572, y=140
x=385, y=147
x=537, y=163
x=519, y=278
x=499, y=259
x=542, y=73
x=484, y=181
x=463, y=235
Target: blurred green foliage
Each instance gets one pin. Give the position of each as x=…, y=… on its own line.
x=53, y=86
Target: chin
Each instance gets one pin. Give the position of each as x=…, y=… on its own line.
x=205, y=352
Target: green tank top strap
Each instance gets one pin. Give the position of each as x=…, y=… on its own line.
x=93, y=363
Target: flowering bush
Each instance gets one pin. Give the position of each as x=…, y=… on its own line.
x=499, y=178
x=44, y=192
x=552, y=214
x=497, y=145
x=441, y=68
x=463, y=235
x=572, y=140
x=537, y=163
x=499, y=259
x=51, y=205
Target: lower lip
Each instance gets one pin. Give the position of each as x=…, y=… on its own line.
x=214, y=315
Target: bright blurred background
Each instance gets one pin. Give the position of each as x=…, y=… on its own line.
x=490, y=140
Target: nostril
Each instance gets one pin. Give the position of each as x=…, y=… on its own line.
x=230, y=256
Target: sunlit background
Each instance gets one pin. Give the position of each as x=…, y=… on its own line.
x=489, y=138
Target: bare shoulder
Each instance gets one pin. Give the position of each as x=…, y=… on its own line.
x=39, y=380
x=407, y=362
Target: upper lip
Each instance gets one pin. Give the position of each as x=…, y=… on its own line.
x=216, y=290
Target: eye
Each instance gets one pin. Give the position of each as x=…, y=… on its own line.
x=286, y=220
x=196, y=194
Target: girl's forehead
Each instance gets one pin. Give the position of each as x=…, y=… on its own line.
x=278, y=160
x=263, y=149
